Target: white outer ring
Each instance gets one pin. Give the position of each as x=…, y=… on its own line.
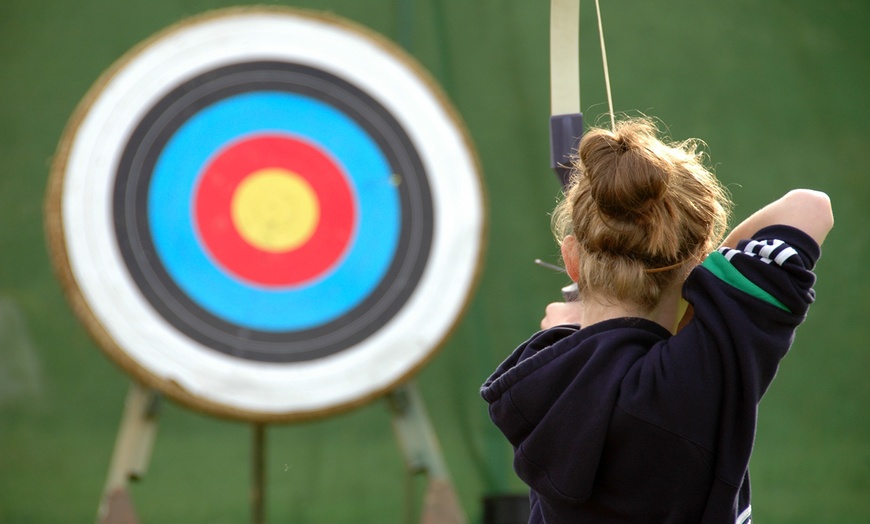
x=372, y=366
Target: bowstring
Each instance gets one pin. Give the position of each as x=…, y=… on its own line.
x=606, y=69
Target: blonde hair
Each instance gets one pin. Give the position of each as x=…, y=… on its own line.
x=641, y=209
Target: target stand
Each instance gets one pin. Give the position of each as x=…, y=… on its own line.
x=413, y=429
x=267, y=215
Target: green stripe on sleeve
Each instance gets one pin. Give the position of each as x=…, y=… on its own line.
x=717, y=264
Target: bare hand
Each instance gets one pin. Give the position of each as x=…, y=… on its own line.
x=561, y=313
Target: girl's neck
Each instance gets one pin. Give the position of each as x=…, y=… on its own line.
x=595, y=309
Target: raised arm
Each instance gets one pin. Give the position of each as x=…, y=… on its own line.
x=805, y=209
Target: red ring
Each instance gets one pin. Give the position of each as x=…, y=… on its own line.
x=212, y=210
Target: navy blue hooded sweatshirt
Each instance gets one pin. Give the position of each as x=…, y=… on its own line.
x=621, y=422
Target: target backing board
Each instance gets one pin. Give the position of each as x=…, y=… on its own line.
x=267, y=214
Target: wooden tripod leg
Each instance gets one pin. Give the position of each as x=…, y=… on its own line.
x=440, y=504
x=131, y=455
x=423, y=455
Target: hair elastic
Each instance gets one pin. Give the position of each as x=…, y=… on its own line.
x=663, y=269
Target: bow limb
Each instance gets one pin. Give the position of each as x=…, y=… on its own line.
x=566, y=120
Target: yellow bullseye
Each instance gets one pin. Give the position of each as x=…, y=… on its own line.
x=275, y=210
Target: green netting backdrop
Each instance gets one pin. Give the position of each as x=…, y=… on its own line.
x=779, y=91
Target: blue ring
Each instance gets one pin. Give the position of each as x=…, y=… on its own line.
x=171, y=217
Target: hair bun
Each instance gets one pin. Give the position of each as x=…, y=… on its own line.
x=640, y=209
x=626, y=173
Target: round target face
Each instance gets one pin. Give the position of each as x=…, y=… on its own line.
x=267, y=214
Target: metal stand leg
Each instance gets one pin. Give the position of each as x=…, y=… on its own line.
x=423, y=455
x=131, y=455
x=258, y=485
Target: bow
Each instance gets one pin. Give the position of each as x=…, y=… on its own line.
x=566, y=120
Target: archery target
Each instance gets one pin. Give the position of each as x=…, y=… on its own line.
x=267, y=214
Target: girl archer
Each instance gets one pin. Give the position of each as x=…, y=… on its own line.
x=618, y=412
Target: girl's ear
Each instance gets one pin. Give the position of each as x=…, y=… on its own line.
x=571, y=257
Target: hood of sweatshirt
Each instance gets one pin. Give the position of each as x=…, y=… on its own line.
x=565, y=374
